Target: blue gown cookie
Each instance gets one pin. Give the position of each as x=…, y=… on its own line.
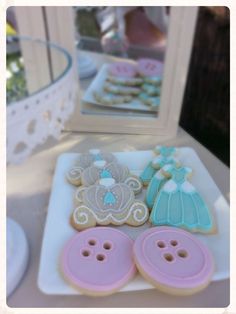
x=179, y=204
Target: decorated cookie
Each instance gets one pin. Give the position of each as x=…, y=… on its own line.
x=165, y=156
x=179, y=204
x=83, y=162
x=122, y=69
x=150, y=67
x=101, y=169
x=173, y=260
x=107, y=203
x=151, y=90
x=121, y=90
x=127, y=81
x=154, y=80
x=110, y=99
x=98, y=261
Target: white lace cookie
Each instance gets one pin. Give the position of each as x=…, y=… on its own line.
x=121, y=90
x=84, y=161
x=107, y=203
x=101, y=169
x=109, y=99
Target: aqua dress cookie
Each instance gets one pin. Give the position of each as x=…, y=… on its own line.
x=166, y=155
x=107, y=203
x=98, y=261
x=101, y=169
x=84, y=161
x=173, y=260
x=179, y=204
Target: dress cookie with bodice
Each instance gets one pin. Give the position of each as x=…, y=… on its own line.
x=179, y=204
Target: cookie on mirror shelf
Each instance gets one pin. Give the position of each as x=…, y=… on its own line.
x=110, y=99
x=84, y=161
x=151, y=90
x=154, y=80
x=127, y=81
x=107, y=203
x=101, y=169
x=149, y=67
x=98, y=261
x=121, y=90
x=173, y=260
x=122, y=69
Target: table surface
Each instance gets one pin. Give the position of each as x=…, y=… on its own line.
x=28, y=192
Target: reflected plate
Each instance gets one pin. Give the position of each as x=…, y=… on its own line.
x=58, y=230
x=97, y=86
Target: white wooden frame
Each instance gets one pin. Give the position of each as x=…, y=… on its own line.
x=179, y=44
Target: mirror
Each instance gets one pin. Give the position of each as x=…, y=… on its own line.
x=121, y=56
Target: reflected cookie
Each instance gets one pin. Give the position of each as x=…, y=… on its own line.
x=84, y=161
x=101, y=169
x=154, y=80
x=151, y=90
x=149, y=67
x=107, y=203
x=109, y=99
x=121, y=90
x=134, y=81
x=122, y=69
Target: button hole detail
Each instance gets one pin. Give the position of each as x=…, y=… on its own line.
x=173, y=242
x=92, y=242
x=85, y=253
x=161, y=244
x=168, y=257
x=182, y=253
x=107, y=246
x=100, y=257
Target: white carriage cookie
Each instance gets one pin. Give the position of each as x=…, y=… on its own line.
x=121, y=90
x=111, y=99
x=127, y=81
x=108, y=203
x=101, y=169
x=84, y=161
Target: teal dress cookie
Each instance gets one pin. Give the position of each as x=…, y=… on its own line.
x=165, y=155
x=179, y=204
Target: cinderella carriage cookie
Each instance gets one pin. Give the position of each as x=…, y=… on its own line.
x=101, y=169
x=107, y=203
x=179, y=204
x=165, y=155
x=84, y=161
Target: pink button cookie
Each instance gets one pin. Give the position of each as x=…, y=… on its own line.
x=150, y=67
x=122, y=69
x=173, y=260
x=98, y=261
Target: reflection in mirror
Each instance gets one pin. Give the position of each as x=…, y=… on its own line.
x=121, y=52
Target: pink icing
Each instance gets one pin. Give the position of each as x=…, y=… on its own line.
x=122, y=69
x=150, y=67
x=109, y=264
x=173, y=257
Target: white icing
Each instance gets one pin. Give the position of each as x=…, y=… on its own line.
x=94, y=151
x=188, y=187
x=99, y=163
x=170, y=186
x=189, y=170
x=167, y=168
x=159, y=175
x=107, y=182
x=157, y=160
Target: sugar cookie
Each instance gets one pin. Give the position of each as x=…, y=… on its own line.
x=151, y=90
x=154, y=80
x=121, y=90
x=98, y=261
x=122, y=69
x=173, y=260
x=127, y=81
x=179, y=204
x=150, y=67
x=101, y=169
x=84, y=161
x=107, y=203
x=110, y=99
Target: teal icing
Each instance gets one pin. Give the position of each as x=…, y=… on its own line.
x=153, y=188
x=181, y=208
x=98, y=157
x=105, y=174
x=109, y=198
x=167, y=151
x=147, y=173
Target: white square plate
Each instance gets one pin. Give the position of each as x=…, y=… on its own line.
x=97, y=86
x=58, y=230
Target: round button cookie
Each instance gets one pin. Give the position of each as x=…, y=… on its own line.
x=122, y=69
x=98, y=261
x=150, y=67
x=173, y=260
